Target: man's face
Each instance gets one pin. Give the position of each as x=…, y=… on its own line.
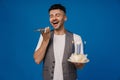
x=57, y=18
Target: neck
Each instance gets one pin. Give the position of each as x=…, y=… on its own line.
x=60, y=31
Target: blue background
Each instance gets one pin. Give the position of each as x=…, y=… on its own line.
x=97, y=21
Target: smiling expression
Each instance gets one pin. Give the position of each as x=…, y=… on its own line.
x=57, y=18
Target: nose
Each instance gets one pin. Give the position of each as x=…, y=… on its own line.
x=54, y=18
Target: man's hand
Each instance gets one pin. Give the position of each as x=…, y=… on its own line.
x=46, y=34
x=79, y=65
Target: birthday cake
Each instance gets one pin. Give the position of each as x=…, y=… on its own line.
x=78, y=58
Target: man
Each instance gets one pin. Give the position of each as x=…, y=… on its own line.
x=55, y=47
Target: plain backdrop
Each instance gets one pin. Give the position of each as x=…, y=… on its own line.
x=97, y=21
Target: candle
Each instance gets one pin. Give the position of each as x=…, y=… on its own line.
x=78, y=46
x=73, y=47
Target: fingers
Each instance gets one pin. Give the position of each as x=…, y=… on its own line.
x=47, y=30
x=46, y=34
x=79, y=65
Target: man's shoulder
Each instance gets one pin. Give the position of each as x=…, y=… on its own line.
x=76, y=35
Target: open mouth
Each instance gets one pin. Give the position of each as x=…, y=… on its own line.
x=55, y=22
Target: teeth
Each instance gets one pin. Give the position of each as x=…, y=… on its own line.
x=55, y=22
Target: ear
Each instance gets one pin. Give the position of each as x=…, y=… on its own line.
x=65, y=18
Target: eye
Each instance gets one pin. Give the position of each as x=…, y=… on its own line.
x=58, y=15
x=51, y=16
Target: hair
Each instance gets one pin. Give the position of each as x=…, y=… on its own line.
x=57, y=6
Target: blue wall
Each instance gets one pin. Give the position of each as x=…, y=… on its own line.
x=97, y=21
